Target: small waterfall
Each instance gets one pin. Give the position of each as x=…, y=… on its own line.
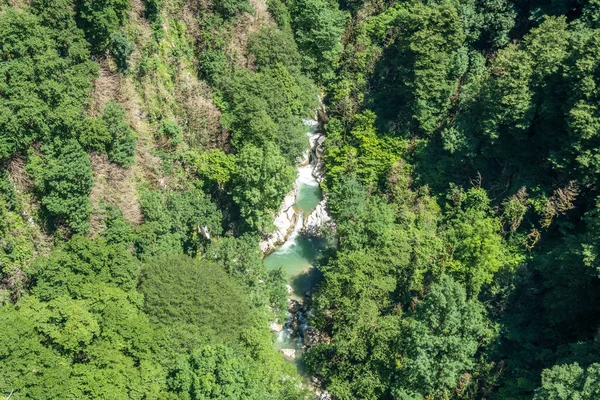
x=305, y=176
x=291, y=240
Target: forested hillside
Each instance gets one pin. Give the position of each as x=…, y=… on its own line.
x=146, y=147
x=462, y=159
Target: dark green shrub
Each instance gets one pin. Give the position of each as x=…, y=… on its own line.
x=63, y=179
x=118, y=229
x=100, y=19
x=230, y=8
x=170, y=129
x=121, y=149
x=7, y=192
x=153, y=10
x=94, y=135
x=121, y=48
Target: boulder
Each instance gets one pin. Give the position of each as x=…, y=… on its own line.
x=311, y=336
x=322, y=395
x=289, y=354
x=293, y=323
x=275, y=327
x=294, y=306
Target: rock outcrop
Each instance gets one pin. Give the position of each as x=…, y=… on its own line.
x=316, y=219
x=285, y=222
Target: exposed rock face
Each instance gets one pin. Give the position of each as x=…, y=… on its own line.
x=285, y=221
x=318, y=218
x=289, y=354
x=311, y=337
x=319, y=169
x=322, y=395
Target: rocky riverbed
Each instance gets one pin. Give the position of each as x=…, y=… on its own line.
x=298, y=212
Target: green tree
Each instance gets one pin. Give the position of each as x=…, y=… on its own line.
x=50, y=77
x=420, y=73
x=477, y=249
x=81, y=262
x=100, y=19
x=318, y=26
x=195, y=295
x=569, y=382
x=63, y=180
x=440, y=342
x=85, y=336
x=176, y=223
x=259, y=182
x=271, y=46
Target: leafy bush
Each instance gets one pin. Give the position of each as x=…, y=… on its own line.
x=214, y=166
x=121, y=48
x=118, y=229
x=230, y=8
x=63, y=179
x=170, y=129
x=94, y=135
x=100, y=19
x=121, y=149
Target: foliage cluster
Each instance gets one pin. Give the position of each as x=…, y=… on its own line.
x=461, y=167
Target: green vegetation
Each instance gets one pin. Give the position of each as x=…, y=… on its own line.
x=461, y=177
x=162, y=298
x=146, y=147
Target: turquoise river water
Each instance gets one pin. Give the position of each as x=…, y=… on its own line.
x=298, y=255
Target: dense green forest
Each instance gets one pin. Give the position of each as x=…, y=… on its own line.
x=147, y=145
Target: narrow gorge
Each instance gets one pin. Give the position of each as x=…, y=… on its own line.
x=295, y=246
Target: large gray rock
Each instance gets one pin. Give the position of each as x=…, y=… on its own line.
x=315, y=220
x=285, y=222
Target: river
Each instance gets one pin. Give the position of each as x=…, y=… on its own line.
x=299, y=253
